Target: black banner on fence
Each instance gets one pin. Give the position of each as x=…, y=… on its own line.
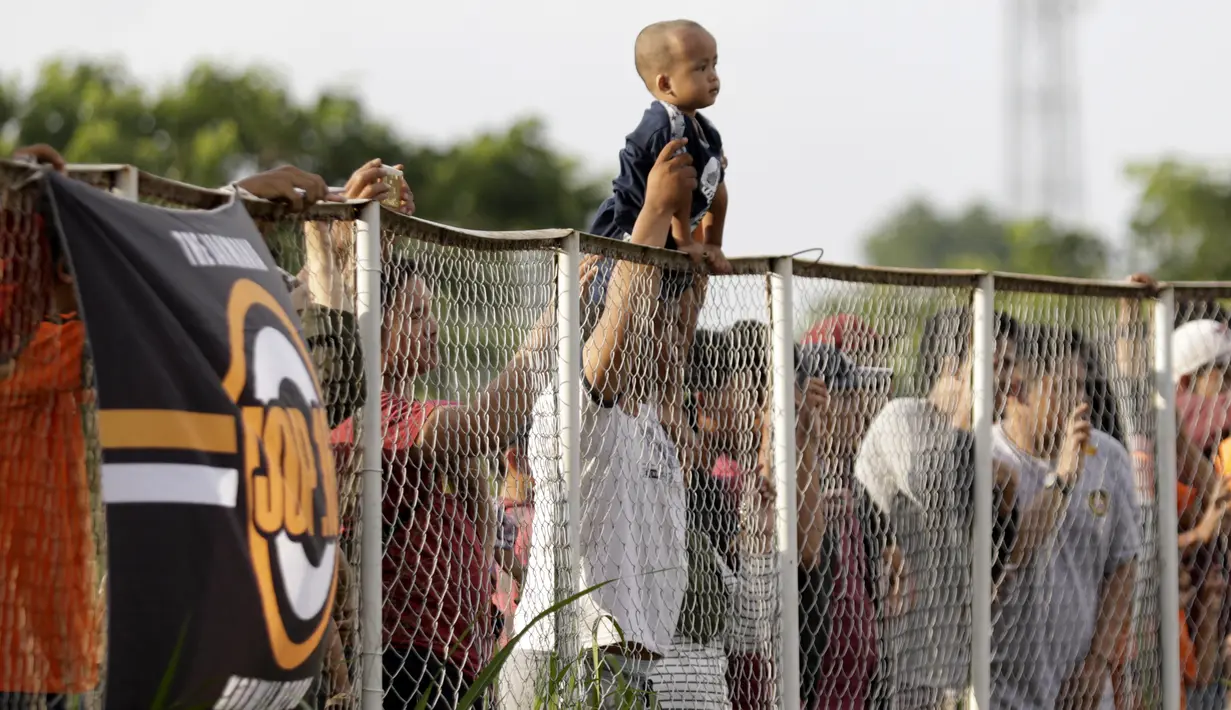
x=222, y=507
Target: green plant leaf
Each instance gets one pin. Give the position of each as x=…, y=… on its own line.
x=491, y=672
x=168, y=677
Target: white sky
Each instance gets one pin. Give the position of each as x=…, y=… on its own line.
x=832, y=111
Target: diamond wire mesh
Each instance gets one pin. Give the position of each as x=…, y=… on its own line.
x=885, y=603
x=469, y=346
x=1203, y=464
x=316, y=253
x=52, y=537
x=1076, y=616
x=1114, y=337
x=659, y=507
x=728, y=620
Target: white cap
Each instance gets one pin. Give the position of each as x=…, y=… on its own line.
x=1197, y=344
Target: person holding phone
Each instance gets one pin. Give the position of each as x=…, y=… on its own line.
x=1068, y=593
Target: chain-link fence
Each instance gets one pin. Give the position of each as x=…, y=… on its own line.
x=1077, y=618
x=588, y=487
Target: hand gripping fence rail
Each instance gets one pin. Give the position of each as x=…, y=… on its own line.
x=574, y=472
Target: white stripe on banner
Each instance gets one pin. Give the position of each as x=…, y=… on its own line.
x=170, y=483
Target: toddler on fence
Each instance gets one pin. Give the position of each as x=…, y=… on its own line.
x=677, y=60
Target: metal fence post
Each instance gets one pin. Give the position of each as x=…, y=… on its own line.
x=368, y=309
x=1168, y=530
x=782, y=359
x=568, y=406
x=128, y=183
x=983, y=405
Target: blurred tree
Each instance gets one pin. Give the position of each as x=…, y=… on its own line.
x=1182, y=223
x=219, y=122
x=920, y=236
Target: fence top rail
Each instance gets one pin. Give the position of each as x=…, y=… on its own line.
x=1069, y=286
x=196, y=197
x=15, y=174
x=642, y=254
x=96, y=167
x=1201, y=290
x=401, y=225
x=888, y=275
x=191, y=196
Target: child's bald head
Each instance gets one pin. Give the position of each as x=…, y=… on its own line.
x=666, y=51
x=655, y=47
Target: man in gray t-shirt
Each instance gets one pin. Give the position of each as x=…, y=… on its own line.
x=916, y=464
x=1068, y=594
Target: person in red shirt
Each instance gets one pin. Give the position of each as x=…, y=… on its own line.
x=438, y=510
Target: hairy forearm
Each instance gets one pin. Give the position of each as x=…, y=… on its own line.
x=484, y=426
x=1191, y=540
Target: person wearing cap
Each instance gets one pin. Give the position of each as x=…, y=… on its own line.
x=851, y=335
x=1201, y=357
x=842, y=676
x=917, y=464
x=1198, y=469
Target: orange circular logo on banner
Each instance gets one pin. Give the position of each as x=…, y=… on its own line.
x=288, y=474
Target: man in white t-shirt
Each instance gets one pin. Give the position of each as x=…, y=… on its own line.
x=916, y=465
x=1068, y=594
x=633, y=515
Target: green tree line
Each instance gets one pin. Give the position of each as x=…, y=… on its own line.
x=218, y=122
x=1178, y=230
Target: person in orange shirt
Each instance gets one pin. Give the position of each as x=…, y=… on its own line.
x=1201, y=595
x=51, y=605
x=50, y=602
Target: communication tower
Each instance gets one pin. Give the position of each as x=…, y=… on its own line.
x=1045, y=176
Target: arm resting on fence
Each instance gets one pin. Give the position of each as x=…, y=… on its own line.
x=501, y=410
x=607, y=364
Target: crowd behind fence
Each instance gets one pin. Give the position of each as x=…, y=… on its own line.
x=801, y=483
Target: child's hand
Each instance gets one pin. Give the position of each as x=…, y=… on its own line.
x=707, y=258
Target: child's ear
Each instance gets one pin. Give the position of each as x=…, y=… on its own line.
x=663, y=82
